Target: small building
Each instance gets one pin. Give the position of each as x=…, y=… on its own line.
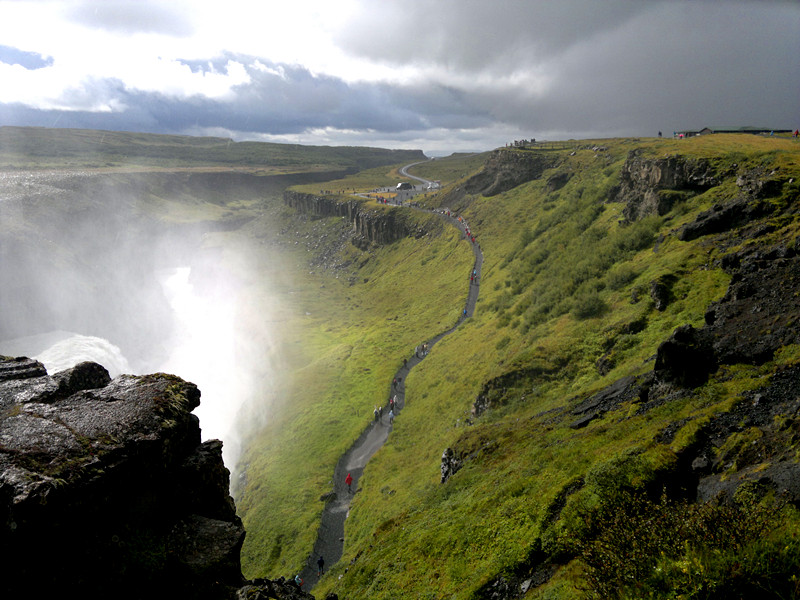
x=751, y=130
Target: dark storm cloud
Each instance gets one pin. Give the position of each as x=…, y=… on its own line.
x=616, y=67
x=728, y=65
x=133, y=16
x=473, y=35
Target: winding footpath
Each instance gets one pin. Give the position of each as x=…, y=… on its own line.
x=330, y=537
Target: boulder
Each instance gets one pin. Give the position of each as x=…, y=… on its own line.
x=106, y=490
x=686, y=358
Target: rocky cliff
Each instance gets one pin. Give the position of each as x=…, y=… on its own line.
x=653, y=185
x=506, y=169
x=370, y=225
x=107, y=490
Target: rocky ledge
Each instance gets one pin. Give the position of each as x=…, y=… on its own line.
x=107, y=490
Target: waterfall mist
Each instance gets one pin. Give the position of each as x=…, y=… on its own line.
x=90, y=271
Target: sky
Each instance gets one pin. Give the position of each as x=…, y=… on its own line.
x=442, y=76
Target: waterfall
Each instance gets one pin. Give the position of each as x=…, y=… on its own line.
x=203, y=351
x=59, y=350
x=78, y=348
x=205, y=347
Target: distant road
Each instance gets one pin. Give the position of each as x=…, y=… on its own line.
x=404, y=172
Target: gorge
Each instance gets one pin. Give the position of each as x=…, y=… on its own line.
x=630, y=371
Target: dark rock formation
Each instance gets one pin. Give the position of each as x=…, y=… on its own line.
x=758, y=314
x=510, y=387
x=506, y=169
x=558, y=181
x=765, y=421
x=263, y=589
x=645, y=183
x=758, y=183
x=451, y=463
x=686, y=358
x=623, y=390
x=369, y=226
x=724, y=217
x=107, y=490
x=661, y=292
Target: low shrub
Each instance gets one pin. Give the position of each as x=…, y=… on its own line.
x=640, y=548
x=588, y=305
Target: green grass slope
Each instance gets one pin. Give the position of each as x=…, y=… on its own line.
x=347, y=332
x=565, y=311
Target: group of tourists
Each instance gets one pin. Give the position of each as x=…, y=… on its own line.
x=468, y=233
x=378, y=412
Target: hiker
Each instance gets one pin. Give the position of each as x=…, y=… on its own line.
x=349, y=481
x=405, y=362
x=375, y=412
x=320, y=566
x=394, y=383
x=298, y=581
x=391, y=402
x=391, y=417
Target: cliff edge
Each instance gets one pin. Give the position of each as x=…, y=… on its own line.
x=106, y=488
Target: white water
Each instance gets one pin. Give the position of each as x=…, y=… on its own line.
x=59, y=350
x=203, y=349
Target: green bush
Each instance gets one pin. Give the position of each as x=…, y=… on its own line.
x=619, y=277
x=588, y=305
x=635, y=547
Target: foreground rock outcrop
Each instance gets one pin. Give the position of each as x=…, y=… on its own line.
x=107, y=491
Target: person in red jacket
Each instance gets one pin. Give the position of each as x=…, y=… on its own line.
x=349, y=480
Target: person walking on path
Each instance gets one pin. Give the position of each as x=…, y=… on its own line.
x=349, y=481
x=320, y=566
x=391, y=417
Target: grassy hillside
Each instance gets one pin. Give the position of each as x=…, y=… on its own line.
x=567, y=309
x=350, y=329
x=40, y=147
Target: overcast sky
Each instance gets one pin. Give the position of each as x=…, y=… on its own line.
x=438, y=75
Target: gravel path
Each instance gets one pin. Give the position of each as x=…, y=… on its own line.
x=330, y=538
